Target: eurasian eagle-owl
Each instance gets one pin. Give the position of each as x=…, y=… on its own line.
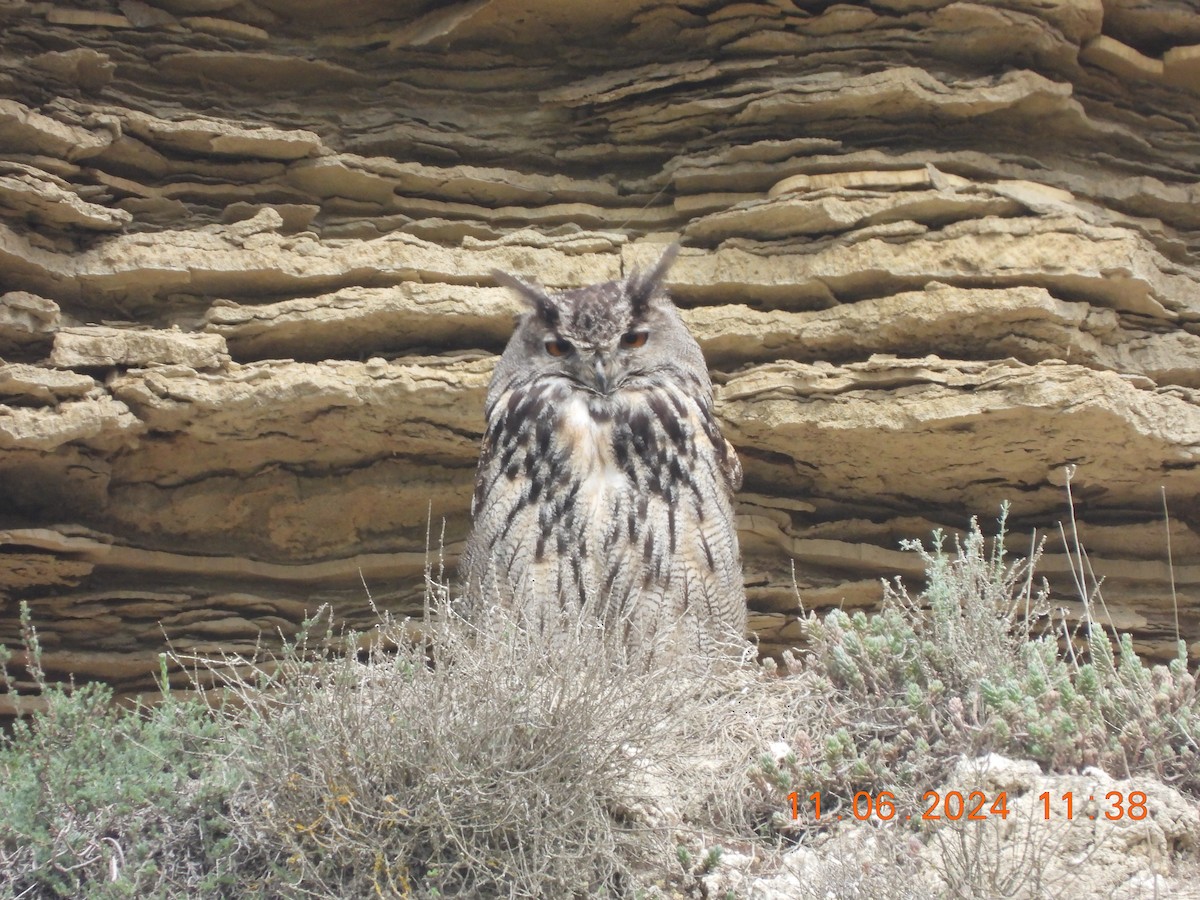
x=604, y=481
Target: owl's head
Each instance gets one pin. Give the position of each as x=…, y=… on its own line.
x=601, y=337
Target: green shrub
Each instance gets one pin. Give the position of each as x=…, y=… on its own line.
x=101, y=801
x=959, y=670
x=1113, y=711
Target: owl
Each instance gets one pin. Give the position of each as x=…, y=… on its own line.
x=604, y=483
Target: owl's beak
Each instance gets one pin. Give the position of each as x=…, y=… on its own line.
x=601, y=375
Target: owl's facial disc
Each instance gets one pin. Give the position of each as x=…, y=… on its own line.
x=592, y=337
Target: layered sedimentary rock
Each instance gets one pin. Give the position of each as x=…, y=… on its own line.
x=939, y=254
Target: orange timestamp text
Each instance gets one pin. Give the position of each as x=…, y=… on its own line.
x=977, y=806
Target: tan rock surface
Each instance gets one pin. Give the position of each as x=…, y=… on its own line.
x=936, y=253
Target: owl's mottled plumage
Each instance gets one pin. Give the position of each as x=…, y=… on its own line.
x=604, y=480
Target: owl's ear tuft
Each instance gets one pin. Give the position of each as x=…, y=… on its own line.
x=535, y=295
x=642, y=286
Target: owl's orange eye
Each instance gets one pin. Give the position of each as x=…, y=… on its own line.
x=556, y=347
x=633, y=339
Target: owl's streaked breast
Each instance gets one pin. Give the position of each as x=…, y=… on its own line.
x=602, y=493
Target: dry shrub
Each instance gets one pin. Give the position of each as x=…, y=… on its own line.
x=495, y=761
x=997, y=858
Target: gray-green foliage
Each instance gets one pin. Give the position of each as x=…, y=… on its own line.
x=959, y=669
x=101, y=801
x=1113, y=711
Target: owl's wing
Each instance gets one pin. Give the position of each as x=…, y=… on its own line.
x=731, y=468
x=722, y=451
x=487, y=450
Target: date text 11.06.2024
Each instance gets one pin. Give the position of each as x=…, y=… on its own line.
x=977, y=806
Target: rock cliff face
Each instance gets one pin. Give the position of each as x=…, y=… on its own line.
x=936, y=252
